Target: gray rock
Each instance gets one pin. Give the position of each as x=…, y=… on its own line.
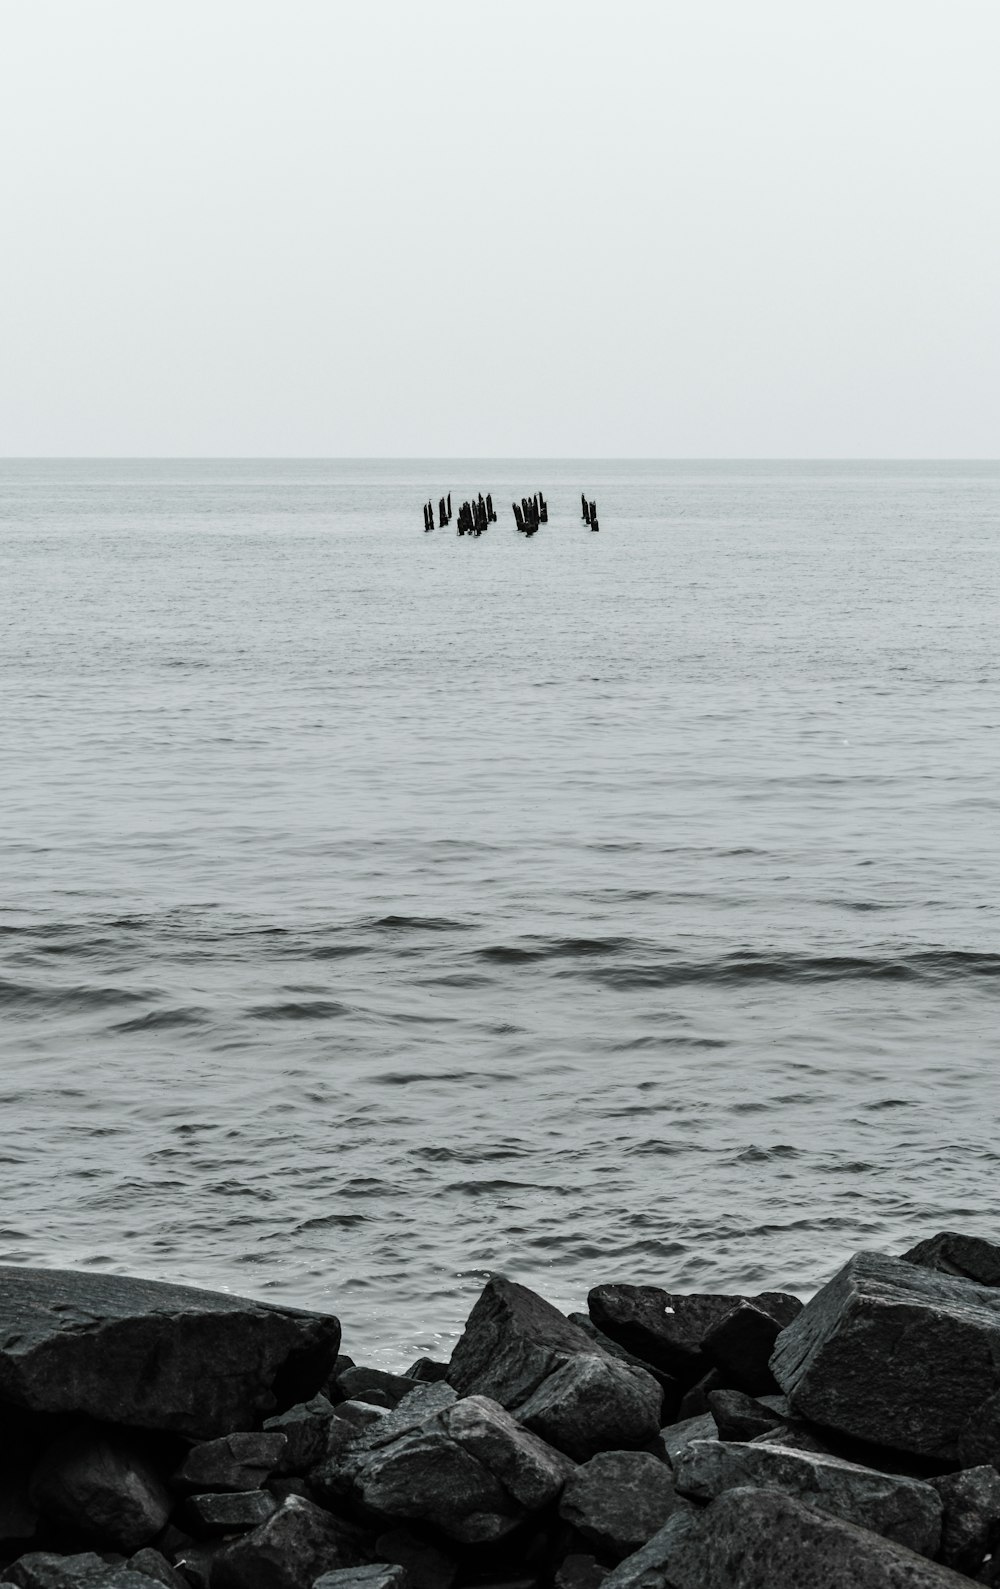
x=971, y=1528
x=741, y=1417
x=669, y=1385
x=580, y=1572
x=512, y=1341
x=761, y=1539
x=971, y=1257
x=306, y=1428
x=45, y=1570
x=794, y=1437
x=618, y=1500
x=893, y=1353
x=355, y=1383
x=380, y=1575
x=469, y=1470
x=594, y=1404
x=104, y=1488
x=408, y=1414
x=668, y=1329
x=899, y=1508
x=290, y=1551
x=154, y=1356
x=156, y=1566
x=427, y=1370
x=740, y=1347
x=979, y=1438
x=227, y=1511
x=235, y=1462
x=675, y=1439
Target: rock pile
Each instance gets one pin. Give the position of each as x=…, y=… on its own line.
x=157, y=1435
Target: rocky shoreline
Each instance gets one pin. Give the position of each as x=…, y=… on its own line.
x=159, y=1435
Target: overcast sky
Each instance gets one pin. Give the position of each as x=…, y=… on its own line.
x=678, y=228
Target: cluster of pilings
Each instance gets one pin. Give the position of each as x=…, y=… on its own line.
x=476, y=516
x=444, y=513
x=589, y=512
x=531, y=512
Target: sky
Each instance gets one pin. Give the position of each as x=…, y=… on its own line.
x=486, y=228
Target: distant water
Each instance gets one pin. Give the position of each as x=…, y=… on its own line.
x=380, y=908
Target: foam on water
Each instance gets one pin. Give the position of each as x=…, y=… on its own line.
x=383, y=908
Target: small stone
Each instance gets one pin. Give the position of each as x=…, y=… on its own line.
x=971, y=1528
x=103, y=1487
x=290, y=1551
x=618, y=1500
x=901, y=1509
x=380, y=1575
x=228, y=1511
x=237, y=1462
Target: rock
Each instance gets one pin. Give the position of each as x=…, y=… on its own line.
x=893, y=1353
x=427, y=1565
x=380, y=1575
x=898, y=1508
x=45, y=1570
x=290, y=1551
x=235, y=1462
x=669, y=1385
x=979, y=1439
x=154, y=1356
x=618, y=1500
x=740, y=1347
x=197, y=1560
x=594, y=1404
x=427, y=1370
x=971, y=1257
x=740, y=1417
x=282, y=1488
x=103, y=1487
x=361, y=1414
x=513, y=1340
x=659, y=1328
x=794, y=1437
x=761, y=1539
x=675, y=1439
x=227, y=1511
x=306, y=1428
x=580, y=1572
x=468, y=1469
x=694, y=1403
x=155, y=1566
x=971, y=1528
x=355, y=1383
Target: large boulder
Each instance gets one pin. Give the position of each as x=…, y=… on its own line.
x=668, y=1330
x=290, y=1551
x=761, y=1539
x=893, y=1353
x=237, y=1462
x=46, y=1570
x=900, y=1508
x=969, y=1257
x=520, y=1351
x=618, y=1500
x=154, y=1356
x=102, y=1487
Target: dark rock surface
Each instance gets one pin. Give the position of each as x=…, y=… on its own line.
x=971, y=1528
x=760, y=1539
x=594, y=1404
x=893, y=1353
x=618, y=1500
x=45, y=1570
x=355, y=1383
x=669, y=1385
x=153, y=1565
x=741, y=1417
x=581, y=1572
x=227, y=1511
x=427, y=1565
x=242, y=1461
x=668, y=1329
x=154, y=1356
x=740, y=1348
x=676, y=1438
x=290, y=1551
x=380, y=1575
x=899, y=1508
x=306, y=1428
x=969, y=1257
x=102, y=1487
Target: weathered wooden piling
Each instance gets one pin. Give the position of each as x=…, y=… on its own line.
x=586, y=508
x=543, y=509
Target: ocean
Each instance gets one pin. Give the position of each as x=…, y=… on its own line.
x=382, y=909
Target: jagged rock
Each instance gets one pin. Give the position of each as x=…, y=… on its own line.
x=761, y=1539
x=581, y=1572
x=156, y=1566
x=427, y=1370
x=237, y=1462
x=306, y=1428
x=228, y=1511
x=899, y=1508
x=290, y=1551
x=380, y=1575
x=468, y=1469
x=427, y=1565
x=668, y=1329
x=512, y=1340
x=154, y=1356
x=971, y=1528
x=594, y=1404
x=740, y=1348
x=618, y=1500
x=671, y=1389
x=355, y=1384
x=46, y=1570
x=979, y=1439
x=971, y=1257
x=741, y=1417
x=675, y=1439
x=104, y=1488
x=893, y=1353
